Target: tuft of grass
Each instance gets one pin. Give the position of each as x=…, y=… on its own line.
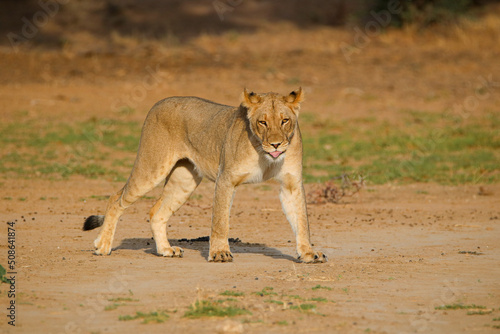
x=99, y=197
x=272, y=301
x=251, y=321
x=303, y=307
x=266, y=291
x=319, y=299
x=317, y=287
x=295, y=297
x=122, y=299
x=3, y=278
x=459, y=307
x=113, y=306
x=206, y=308
x=157, y=317
x=282, y=323
x=221, y=301
x=232, y=293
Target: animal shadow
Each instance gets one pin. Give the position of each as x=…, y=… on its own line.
x=201, y=244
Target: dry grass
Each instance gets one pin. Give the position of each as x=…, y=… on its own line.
x=329, y=192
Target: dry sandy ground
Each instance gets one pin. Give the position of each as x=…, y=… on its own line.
x=395, y=252
x=394, y=256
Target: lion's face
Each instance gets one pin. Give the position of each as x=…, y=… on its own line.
x=273, y=119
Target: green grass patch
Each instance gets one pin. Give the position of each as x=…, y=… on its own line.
x=319, y=299
x=430, y=147
x=113, y=306
x=272, y=301
x=232, y=293
x=267, y=291
x=318, y=287
x=99, y=197
x=282, y=323
x=252, y=321
x=54, y=151
x=119, y=301
x=206, y=308
x=419, y=146
x=295, y=297
x=221, y=301
x=3, y=279
x=122, y=299
x=155, y=317
x=459, y=307
x=303, y=307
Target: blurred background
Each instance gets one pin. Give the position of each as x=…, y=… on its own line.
x=397, y=91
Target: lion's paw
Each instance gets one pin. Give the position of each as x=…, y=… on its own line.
x=171, y=251
x=220, y=256
x=102, y=248
x=313, y=257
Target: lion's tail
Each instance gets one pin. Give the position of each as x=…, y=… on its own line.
x=93, y=222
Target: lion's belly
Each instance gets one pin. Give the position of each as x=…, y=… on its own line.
x=258, y=171
x=205, y=169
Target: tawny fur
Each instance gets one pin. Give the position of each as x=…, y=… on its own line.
x=185, y=139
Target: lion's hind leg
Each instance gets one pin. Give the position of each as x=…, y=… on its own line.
x=113, y=212
x=180, y=184
x=140, y=182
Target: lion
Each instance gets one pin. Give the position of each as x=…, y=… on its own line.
x=186, y=139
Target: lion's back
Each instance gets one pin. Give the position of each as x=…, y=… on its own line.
x=189, y=107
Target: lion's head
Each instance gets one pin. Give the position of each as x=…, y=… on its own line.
x=273, y=118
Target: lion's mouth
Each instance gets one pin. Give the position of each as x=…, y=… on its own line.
x=275, y=154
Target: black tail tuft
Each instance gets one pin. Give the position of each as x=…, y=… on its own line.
x=93, y=222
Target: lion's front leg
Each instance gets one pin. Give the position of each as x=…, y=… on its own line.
x=219, y=245
x=293, y=201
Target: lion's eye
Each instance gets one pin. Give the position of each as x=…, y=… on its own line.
x=263, y=123
x=284, y=121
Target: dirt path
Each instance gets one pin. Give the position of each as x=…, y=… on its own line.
x=395, y=254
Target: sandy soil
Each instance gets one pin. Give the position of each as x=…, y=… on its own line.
x=394, y=256
x=395, y=251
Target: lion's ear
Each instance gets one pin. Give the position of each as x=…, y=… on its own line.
x=250, y=98
x=295, y=97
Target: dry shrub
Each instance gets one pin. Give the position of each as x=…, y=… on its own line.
x=330, y=192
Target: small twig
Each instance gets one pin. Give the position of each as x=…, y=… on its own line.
x=329, y=192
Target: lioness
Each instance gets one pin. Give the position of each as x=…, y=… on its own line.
x=187, y=138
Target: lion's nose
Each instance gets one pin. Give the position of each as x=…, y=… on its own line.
x=275, y=145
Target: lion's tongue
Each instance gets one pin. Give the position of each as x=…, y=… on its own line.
x=275, y=154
